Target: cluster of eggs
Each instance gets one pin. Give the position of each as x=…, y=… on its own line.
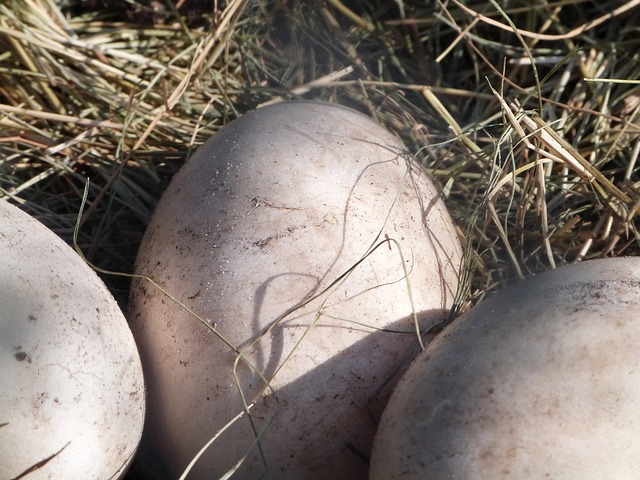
x=284, y=288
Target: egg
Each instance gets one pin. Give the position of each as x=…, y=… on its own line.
x=72, y=396
x=296, y=255
x=541, y=380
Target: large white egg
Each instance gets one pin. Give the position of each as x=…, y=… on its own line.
x=542, y=380
x=72, y=391
x=297, y=232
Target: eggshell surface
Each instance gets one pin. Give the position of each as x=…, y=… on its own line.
x=541, y=380
x=72, y=396
x=297, y=233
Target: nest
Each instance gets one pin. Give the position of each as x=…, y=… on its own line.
x=526, y=114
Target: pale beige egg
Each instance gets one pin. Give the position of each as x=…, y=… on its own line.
x=541, y=380
x=306, y=238
x=72, y=392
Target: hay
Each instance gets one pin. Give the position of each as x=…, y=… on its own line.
x=527, y=115
x=532, y=134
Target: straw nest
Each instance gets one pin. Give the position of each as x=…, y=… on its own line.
x=526, y=114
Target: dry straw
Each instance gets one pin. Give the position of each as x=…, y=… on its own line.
x=527, y=114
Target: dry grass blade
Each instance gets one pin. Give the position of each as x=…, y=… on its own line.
x=60, y=118
x=539, y=36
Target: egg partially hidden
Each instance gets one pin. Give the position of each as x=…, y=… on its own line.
x=541, y=380
x=72, y=391
x=305, y=239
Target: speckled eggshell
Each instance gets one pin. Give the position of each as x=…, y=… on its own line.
x=71, y=384
x=541, y=380
x=297, y=232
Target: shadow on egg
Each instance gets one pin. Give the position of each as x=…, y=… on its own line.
x=304, y=411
